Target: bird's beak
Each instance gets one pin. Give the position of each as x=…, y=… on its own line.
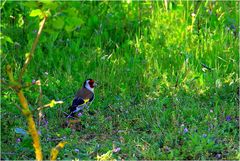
x=94, y=84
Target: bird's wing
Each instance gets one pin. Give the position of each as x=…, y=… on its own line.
x=78, y=101
x=84, y=93
x=82, y=99
x=92, y=98
x=78, y=104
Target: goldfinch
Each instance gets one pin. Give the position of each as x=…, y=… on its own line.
x=83, y=98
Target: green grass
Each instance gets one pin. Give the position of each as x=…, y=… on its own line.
x=156, y=98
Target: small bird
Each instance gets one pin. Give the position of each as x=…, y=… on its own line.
x=83, y=98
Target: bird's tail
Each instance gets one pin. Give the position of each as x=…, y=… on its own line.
x=71, y=115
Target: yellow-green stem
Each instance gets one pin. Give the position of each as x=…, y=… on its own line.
x=31, y=125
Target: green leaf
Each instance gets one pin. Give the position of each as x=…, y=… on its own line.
x=35, y=13
x=2, y=4
x=20, y=20
x=8, y=39
x=5, y=39
x=76, y=21
x=30, y=4
x=58, y=23
x=46, y=13
x=49, y=4
x=71, y=11
x=72, y=23
x=69, y=28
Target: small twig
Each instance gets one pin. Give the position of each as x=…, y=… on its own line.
x=18, y=106
x=56, y=150
x=29, y=57
x=8, y=85
x=12, y=83
x=49, y=105
x=42, y=107
x=15, y=84
x=40, y=104
x=166, y=4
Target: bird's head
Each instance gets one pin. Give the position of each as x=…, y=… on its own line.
x=89, y=84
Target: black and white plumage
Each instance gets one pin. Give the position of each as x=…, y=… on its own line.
x=83, y=98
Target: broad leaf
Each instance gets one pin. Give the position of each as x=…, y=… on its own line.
x=35, y=13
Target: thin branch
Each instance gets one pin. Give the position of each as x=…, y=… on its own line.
x=40, y=104
x=29, y=57
x=18, y=106
x=15, y=84
x=31, y=125
x=10, y=73
x=12, y=83
x=22, y=99
x=51, y=104
x=56, y=150
x=166, y=4
x=7, y=84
